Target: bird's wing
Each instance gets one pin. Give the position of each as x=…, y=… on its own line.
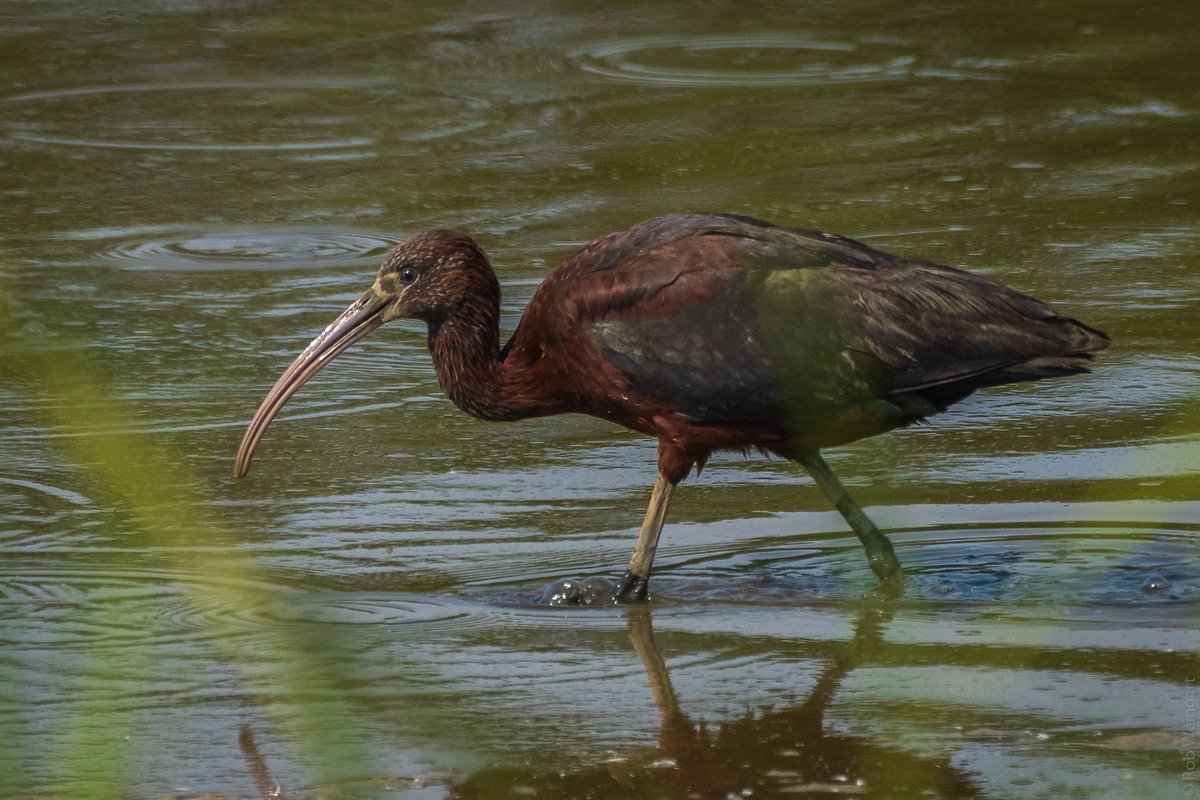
x=749, y=323
x=933, y=326
x=684, y=320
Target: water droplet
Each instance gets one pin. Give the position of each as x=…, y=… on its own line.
x=33, y=329
x=1155, y=584
x=593, y=591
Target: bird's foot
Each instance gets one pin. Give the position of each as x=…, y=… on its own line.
x=881, y=557
x=890, y=587
x=596, y=591
x=631, y=589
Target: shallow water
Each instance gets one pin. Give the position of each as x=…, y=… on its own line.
x=190, y=191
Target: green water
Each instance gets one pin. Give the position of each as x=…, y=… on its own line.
x=189, y=191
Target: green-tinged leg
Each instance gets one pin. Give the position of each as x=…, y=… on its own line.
x=635, y=583
x=880, y=555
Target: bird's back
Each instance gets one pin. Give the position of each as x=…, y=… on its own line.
x=731, y=321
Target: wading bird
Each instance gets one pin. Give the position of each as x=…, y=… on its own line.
x=710, y=332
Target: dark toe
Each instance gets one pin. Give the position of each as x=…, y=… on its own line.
x=631, y=589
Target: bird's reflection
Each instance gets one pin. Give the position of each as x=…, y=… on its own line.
x=784, y=753
x=780, y=753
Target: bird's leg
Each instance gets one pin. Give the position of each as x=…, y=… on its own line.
x=636, y=581
x=880, y=555
x=677, y=737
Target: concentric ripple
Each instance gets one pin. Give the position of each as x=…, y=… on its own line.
x=103, y=603
x=271, y=115
x=745, y=60
x=199, y=249
x=377, y=608
x=85, y=603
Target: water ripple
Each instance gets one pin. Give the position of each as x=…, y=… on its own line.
x=317, y=114
x=98, y=603
x=1051, y=554
x=1095, y=562
x=103, y=603
x=57, y=492
x=759, y=60
x=197, y=249
x=75, y=141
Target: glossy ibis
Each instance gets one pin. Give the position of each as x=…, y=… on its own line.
x=710, y=332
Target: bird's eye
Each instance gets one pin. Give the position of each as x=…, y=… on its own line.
x=408, y=274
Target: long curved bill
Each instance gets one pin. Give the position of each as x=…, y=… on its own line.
x=363, y=316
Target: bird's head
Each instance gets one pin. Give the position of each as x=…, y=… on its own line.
x=430, y=276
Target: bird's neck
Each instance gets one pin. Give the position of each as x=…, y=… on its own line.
x=465, y=347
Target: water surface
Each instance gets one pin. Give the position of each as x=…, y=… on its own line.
x=190, y=191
